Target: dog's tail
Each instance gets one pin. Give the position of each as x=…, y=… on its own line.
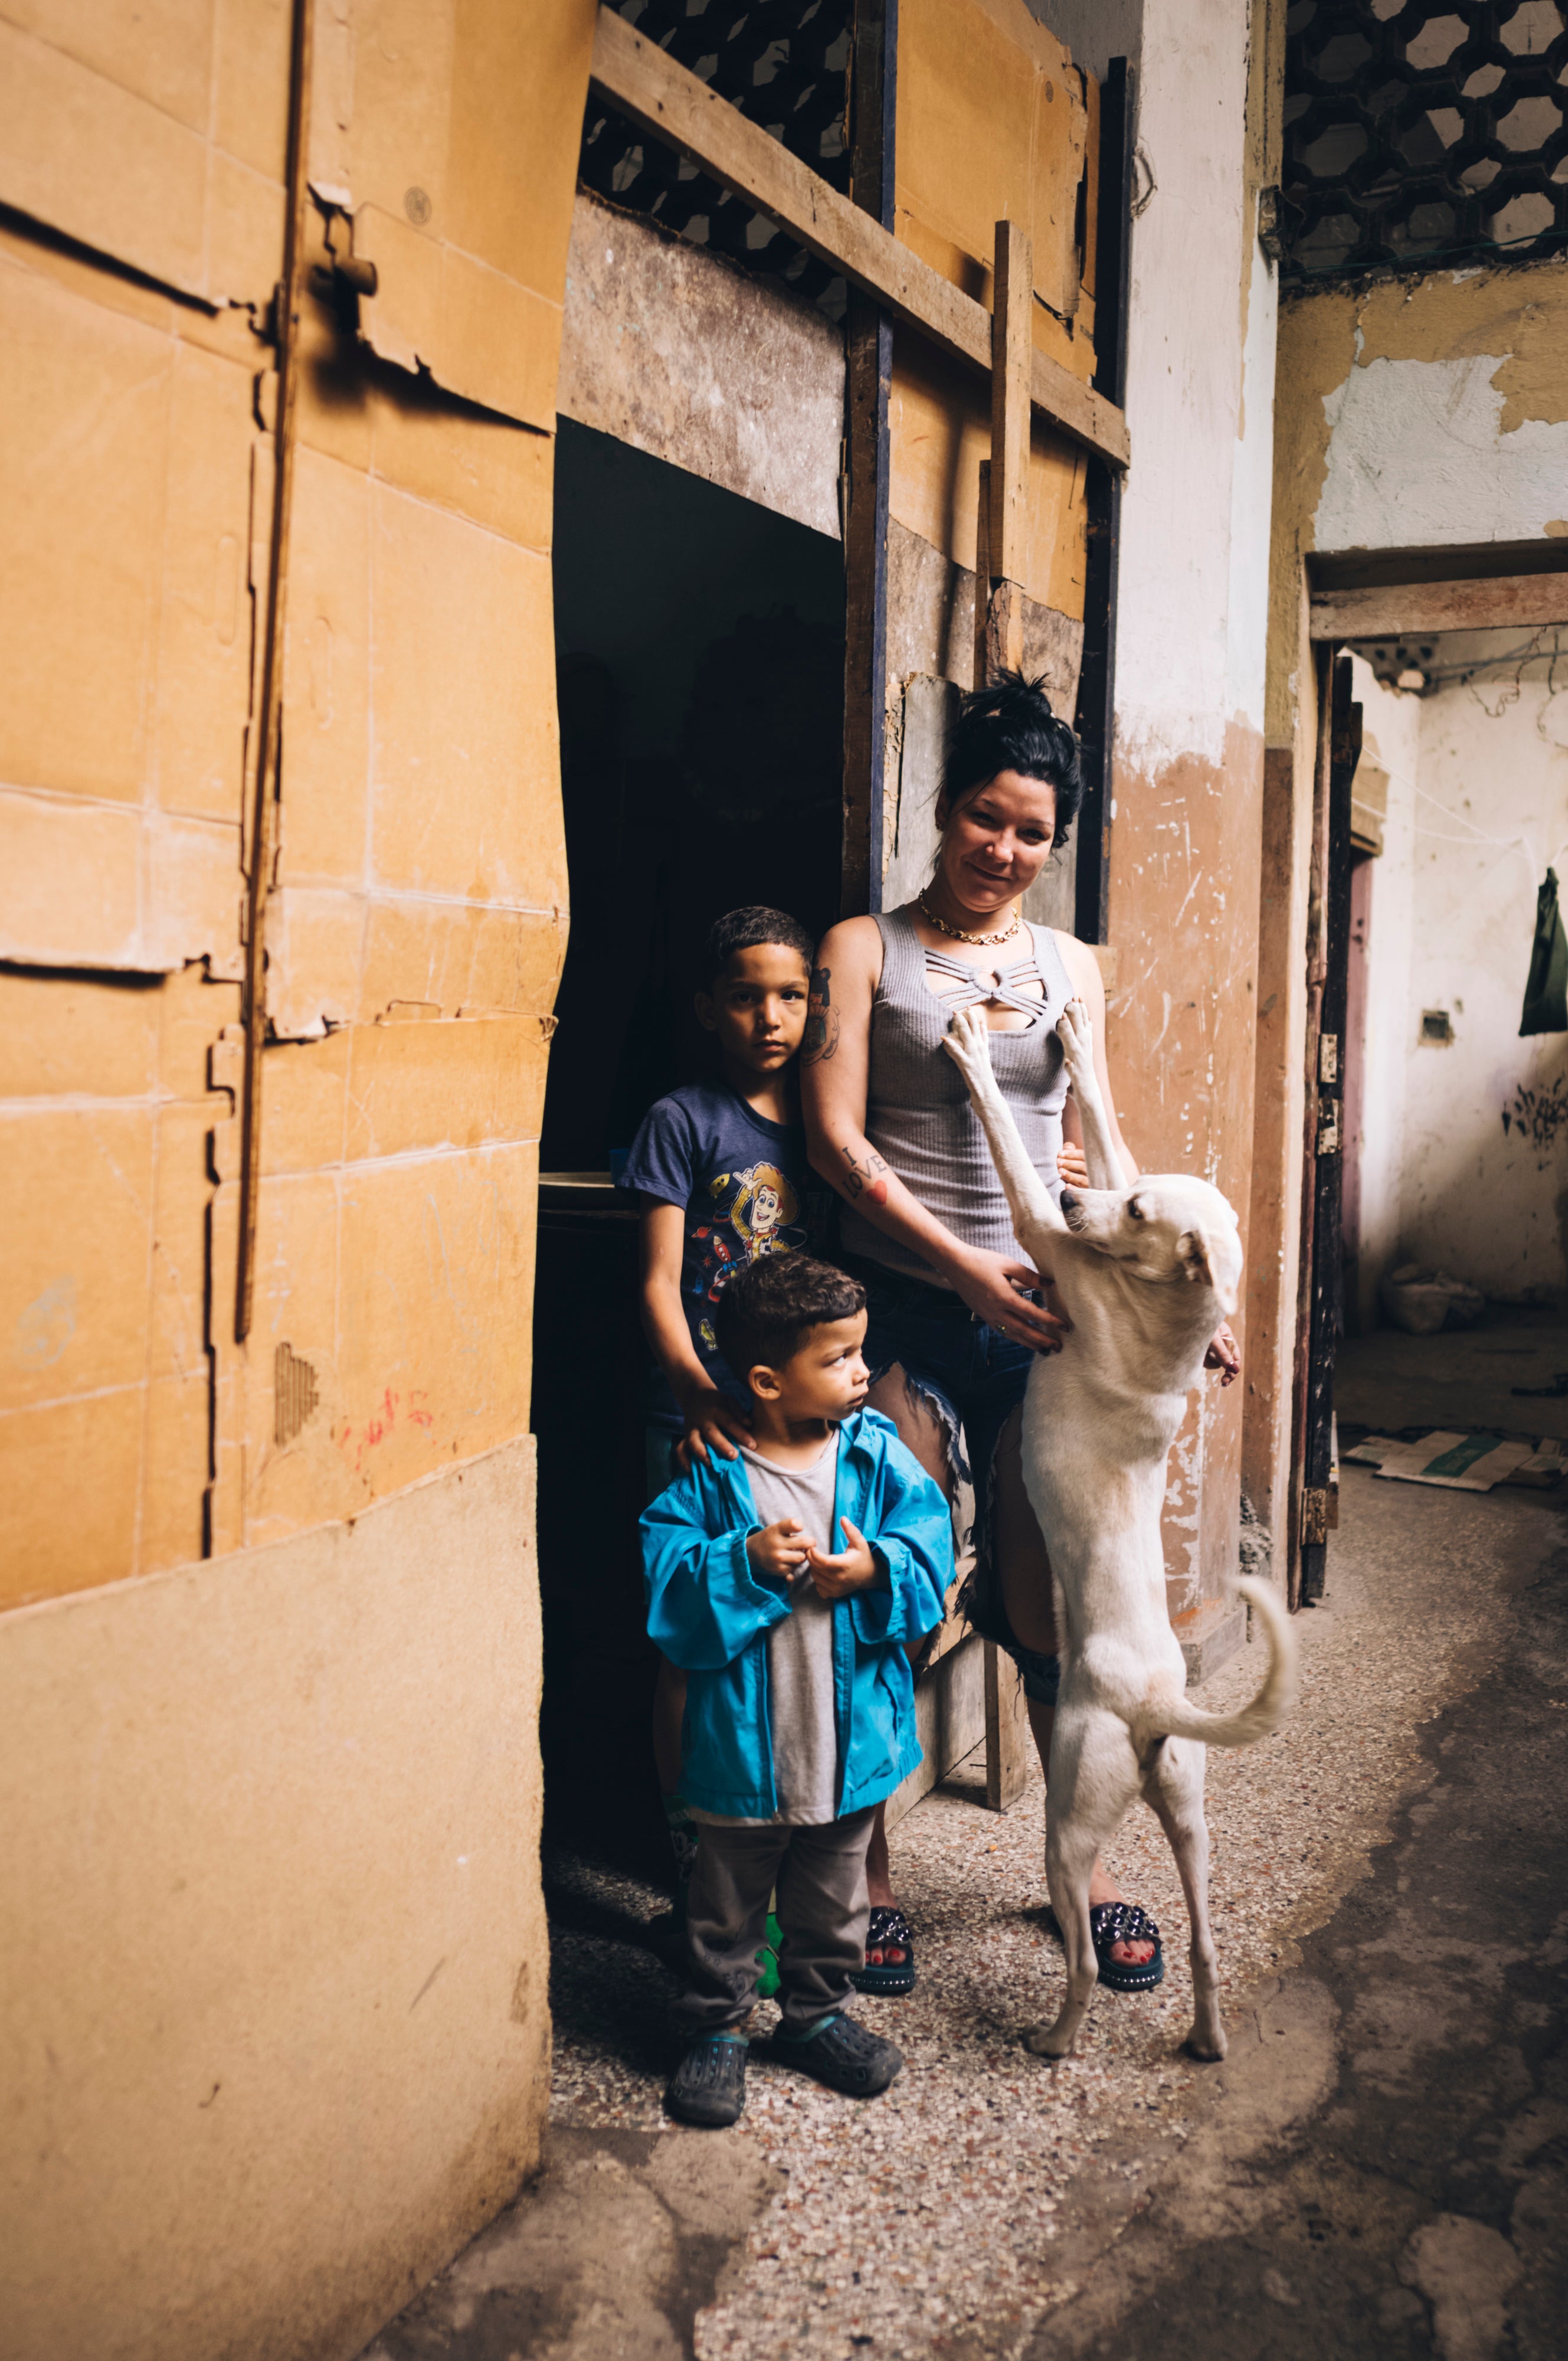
x=1268, y=1708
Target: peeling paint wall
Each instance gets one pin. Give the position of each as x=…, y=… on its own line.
x=1413, y=413
x=1186, y=840
x=415, y=929
x=1478, y=808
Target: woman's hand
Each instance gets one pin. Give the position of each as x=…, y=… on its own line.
x=714, y=1422
x=1224, y=1354
x=991, y=1283
x=1071, y=1166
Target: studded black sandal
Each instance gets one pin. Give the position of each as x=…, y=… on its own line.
x=1125, y=1922
x=887, y=1979
x=1119, y=1922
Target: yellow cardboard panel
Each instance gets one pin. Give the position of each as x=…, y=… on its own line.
x=438, y=960
x=90, y=158
x=314, y=942
x=195, y=891
x=326, y=677
x=499, y=474
x=69, y=881
x=467, y=766
x=175, y=1457
x=204, y=630
x=939, y=420
x=250, y=97
x=162, y=50
x=472, y=256
x=446, y=1084
x=992, y=126
x=246, y=213
x=194, y=1009
x=62, y=1036
x=291, y=1361
x=182, y=1191
x=303, y=1102
x=84, y=400
x=437, y=1296
x=76, y=1214
x=85, y=1454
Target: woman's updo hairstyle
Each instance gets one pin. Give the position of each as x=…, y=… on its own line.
x=1011, y=727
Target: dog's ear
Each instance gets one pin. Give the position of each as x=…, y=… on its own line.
x=1197, y=1264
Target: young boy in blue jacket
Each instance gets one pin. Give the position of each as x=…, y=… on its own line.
x=787, y=1583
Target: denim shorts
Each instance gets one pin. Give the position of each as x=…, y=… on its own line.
x=973, y=1377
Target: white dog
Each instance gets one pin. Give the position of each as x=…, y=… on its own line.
x=1146, y=1274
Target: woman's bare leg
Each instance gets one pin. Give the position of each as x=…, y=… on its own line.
x=1027, y=1592
x=918, y=1427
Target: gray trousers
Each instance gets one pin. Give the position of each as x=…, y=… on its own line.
x=823, y=1907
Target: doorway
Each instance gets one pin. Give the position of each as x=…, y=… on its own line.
x=700, y=689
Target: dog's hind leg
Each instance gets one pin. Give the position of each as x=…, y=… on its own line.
x=1175, y=1789
x=1070, y=1852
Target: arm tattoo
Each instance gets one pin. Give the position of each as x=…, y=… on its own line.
x=867, y=1177
x=821, y=1036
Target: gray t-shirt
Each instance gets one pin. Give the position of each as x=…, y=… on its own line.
x=800, y=1648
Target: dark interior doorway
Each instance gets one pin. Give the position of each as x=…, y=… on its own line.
x=700, y=673
x=700, y=664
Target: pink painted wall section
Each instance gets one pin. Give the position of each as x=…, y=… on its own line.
x=1181, y=1028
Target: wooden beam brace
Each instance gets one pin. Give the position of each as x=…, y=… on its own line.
x=1506, y=601
x=669, y=103
x=1011, y=351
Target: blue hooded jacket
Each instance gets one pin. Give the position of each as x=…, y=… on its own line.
x=707, y=1612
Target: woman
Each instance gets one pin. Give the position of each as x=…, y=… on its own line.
x=955, y=1314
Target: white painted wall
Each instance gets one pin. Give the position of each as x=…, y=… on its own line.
x=1481, y=781
x=1391, y=727
x=1417, y=457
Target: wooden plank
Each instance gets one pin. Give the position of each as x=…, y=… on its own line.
x=1009, y=1741
x=1095, y=719
x=1011, y=327
x=868, y=361
x=669, y=103
x=1507, y=601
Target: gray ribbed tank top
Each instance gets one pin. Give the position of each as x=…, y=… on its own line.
x=917, y=1108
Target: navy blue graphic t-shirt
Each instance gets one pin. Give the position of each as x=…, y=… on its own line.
x=746, y=1189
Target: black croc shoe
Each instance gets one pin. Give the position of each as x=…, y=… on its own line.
x=884, y=1980
x=709, y=2086
x=843, y=2054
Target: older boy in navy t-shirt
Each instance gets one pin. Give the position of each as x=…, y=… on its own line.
x=720, y=1176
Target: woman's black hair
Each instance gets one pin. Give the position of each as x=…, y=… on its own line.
x=1011, y=727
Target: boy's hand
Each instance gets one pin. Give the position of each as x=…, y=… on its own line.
x=780, y=1551
x=856, y=1569
x=714, y=1422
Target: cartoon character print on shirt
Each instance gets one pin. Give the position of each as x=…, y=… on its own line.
x=758, y=1213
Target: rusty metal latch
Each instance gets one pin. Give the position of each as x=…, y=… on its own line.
x=1328, y=1130
x=1319, y=1515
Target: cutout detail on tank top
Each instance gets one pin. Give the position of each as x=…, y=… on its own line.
x=969, y=988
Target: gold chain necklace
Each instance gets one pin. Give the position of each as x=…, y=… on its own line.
x=957, y=934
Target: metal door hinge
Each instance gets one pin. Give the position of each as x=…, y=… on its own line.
x=1328, y=1057
x=1329, y=1131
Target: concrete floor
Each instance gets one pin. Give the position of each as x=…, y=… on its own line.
x=1463, y=1378
x=1381, y=2166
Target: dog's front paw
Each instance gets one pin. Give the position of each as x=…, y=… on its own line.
x=1075, y=1028
x=967, y=1043
x=1044, y=2041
